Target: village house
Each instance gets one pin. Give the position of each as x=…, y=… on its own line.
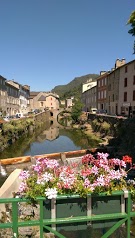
x=113, y=87
x=12, y=102
x=20, y=96
x=88, y=96
x=3, y=95
x=43, y=101
x=126, y=102
x=89, y=99
x=102, y=91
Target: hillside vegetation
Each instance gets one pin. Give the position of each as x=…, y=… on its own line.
x=73, y=88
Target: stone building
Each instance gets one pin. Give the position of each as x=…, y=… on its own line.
x=3, y=95
x=126, y=102
x=113, y=79
x=102, y=91
x=13, y=97
x=12, y=102
x=17, y=97
x=89, y=99
x=43, y=101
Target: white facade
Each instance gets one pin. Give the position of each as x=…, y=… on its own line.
x=69, y=102
x=89, y=99
x=88, y=85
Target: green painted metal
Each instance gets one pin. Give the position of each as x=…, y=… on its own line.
x=54, y=232
x=49, y=223
x=114, y=228
x=128, y=201
x=15, y=218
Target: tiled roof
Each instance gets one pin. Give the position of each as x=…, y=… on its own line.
x=42, y=98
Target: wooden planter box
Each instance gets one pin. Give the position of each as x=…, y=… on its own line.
x=75, y=206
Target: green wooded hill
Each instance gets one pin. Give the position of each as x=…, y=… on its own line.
x=74, y=87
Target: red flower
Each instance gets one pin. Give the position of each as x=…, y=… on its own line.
x=127, y=159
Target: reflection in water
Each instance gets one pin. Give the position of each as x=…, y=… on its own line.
x=49, y=139
x=54, y=143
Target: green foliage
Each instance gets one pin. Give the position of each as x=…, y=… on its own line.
x=131, y=21
x=8, y=129
x=95, y=125
x=105, y=127
x=76, y=111
x=73, y=88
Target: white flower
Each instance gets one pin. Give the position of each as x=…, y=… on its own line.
x=46, y=177
x=51, y=193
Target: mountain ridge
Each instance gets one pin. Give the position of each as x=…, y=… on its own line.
x=74, y=87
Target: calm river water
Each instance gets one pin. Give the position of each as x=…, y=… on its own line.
x=49, y=140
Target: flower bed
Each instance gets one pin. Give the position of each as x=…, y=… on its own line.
x=93, y=174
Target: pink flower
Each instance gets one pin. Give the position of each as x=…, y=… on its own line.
x=100, y=181
x=24, y=174
x=22, y=187
x=102, y=155
x=86, y=182
x=94, y=170
x=91, y=175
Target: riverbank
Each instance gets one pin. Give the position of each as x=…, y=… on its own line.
x=88, y=131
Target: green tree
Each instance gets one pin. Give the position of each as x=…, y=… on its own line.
x=131, y=21
x=76, y=110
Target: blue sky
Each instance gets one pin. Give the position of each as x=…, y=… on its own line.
x=45, y=43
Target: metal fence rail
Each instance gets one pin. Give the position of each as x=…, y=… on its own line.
x=123, y=217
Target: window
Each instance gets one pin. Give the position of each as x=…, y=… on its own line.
x=113, y=97
x=134, y=79
x=125, y=96
x=125, y=82
x=41, y=103
x=101, y=82
x=134, y=95
x=109, y=87
x=105, y=94
x=125, y=69
x=101, y=94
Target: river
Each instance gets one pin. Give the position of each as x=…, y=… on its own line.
x=49, y=140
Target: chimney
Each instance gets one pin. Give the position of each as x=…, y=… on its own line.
x=119, y=62
x=102, y=72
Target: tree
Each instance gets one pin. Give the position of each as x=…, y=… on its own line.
x=76, y=110
x=131, y=21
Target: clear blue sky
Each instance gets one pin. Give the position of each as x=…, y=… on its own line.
x=45, y=43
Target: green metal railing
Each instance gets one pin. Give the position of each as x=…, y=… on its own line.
x=123, y=217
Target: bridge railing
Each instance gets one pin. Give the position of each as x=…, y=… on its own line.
x=49, y=224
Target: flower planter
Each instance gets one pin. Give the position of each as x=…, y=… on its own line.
x=89, y=177
x=75, y=206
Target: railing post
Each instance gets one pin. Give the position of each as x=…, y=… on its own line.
x=128, y=210
x=15, y=218
x=41, y=217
